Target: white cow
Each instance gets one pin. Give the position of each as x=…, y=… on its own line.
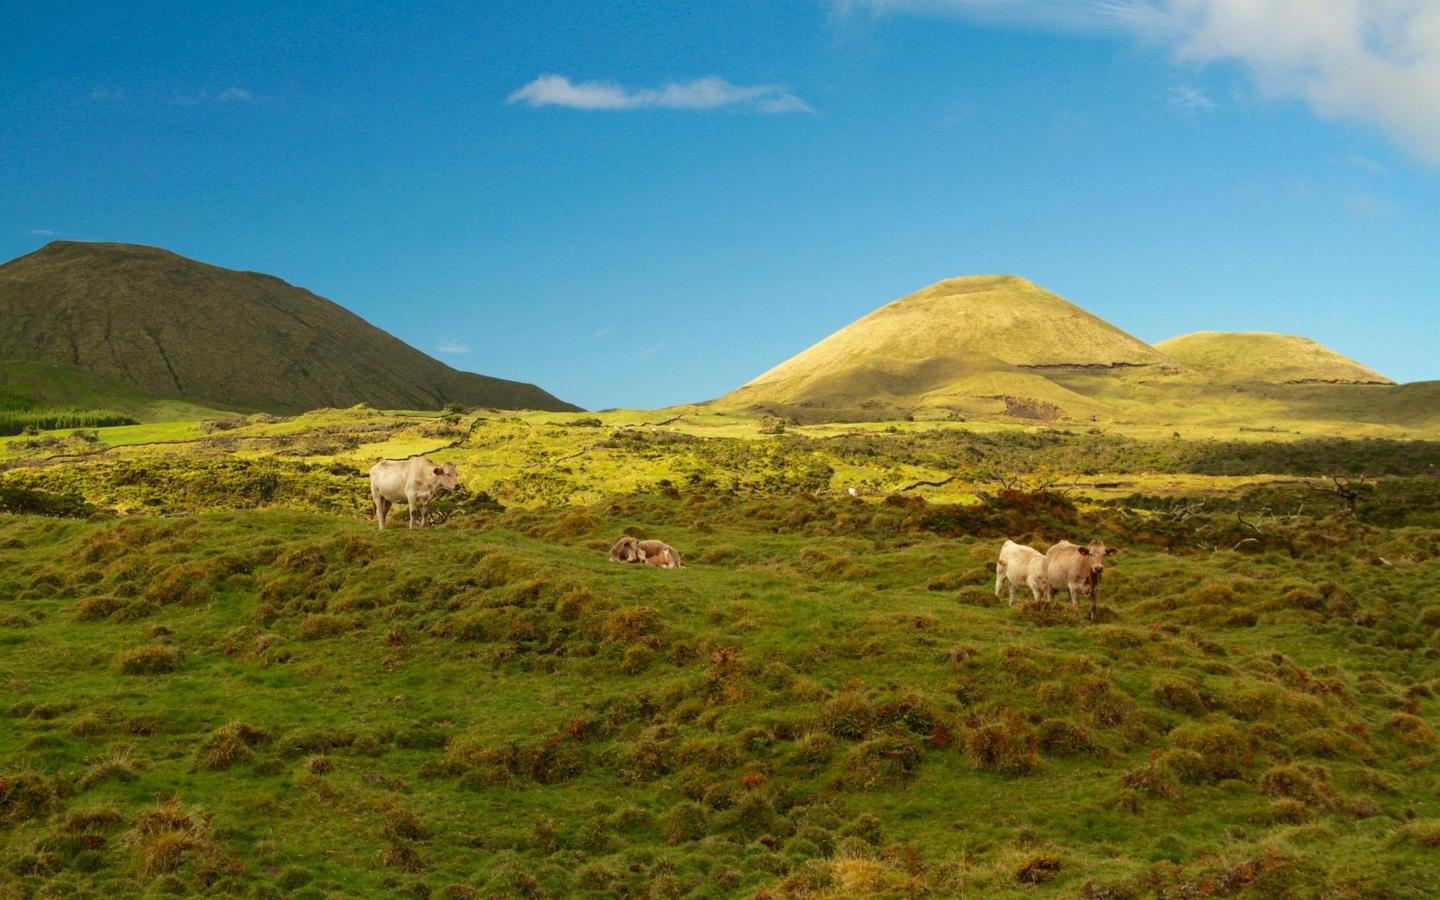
x=416, y=481
x=1021, y=565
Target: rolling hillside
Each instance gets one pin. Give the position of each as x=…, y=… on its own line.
x=999, y=348
x=1237, y=356
x=996, y=339
x=164, y=326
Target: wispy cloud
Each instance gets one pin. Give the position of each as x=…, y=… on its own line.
x=104, y=94
x=42, y=232
x=701, y=94
x=652, y=349
x=232, y=94
x=1366, y=205
x=1375, y=62
x=1190, y=99
x=450, y=346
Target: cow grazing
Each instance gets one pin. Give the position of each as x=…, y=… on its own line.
x=652, y=553
x=1021, y=565
x=1078, y=569
x=415, y=480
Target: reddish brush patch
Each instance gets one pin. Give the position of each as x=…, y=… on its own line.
x=753, y=780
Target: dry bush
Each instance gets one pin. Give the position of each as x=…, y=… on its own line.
x=317, y=626
x=635, y=625
x=230, y=744
x=119, y=763
x=1043, y=614
x=148, y=659
x=169, y=837
x=1062, y=737
x=25, y=795
x=183, y=582
x=95, y=608
x=1410, y=729
x=1299, y=781
x=1005, y=745
x=1183, y=695
x=879, y=763
x=1038, y=868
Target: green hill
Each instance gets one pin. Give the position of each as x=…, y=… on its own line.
x=1237, y=356
x=163, y=326
x=996, y=339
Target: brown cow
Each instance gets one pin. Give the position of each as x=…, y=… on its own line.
x=1078, y=569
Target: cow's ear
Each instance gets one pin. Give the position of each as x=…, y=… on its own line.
x=1084, y=551
x=1111, y=551
x=439, y=471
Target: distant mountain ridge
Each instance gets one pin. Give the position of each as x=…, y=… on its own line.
x=167, y=326
x=999, y=346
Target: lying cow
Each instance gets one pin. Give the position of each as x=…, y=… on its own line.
x=1021, y=565
x=415, y=480
x=652, y=553
x=1078, y=569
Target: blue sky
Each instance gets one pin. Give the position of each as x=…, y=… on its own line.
x=698, y=191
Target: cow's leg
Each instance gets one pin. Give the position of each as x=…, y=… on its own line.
x=1094, y=599
x=379, y=503
x=411, y=501
x=999, y=577
x=1012, y=591
x=1074, y=596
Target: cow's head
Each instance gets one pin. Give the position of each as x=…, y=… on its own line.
x=446, y=477
x=1096, y=554
x=626, y=550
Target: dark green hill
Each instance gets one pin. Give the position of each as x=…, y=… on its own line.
x=162, y=325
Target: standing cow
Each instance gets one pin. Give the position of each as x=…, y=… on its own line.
x=1078, y=569
x=1021, y=565
x=415, y=480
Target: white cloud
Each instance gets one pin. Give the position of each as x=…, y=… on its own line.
x=1370, y=61
x=229, y=95
x=652, y=349
x=702, y=93
x=1366, y=205
x=453, y=347
x=1190, y=99
x=42, y=232
x=101, y=93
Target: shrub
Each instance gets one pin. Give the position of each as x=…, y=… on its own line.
x=230, y=744
x=318, y=625
x=684, y=822
x=148, y=659
x=93, y=609
x=878, y=762
x=1006, y=745
x=1411, y=729
x=1062, y=737
x=24, y=795
x=183, y=582
x=1038, y=868
x=634, y=625
x=1297, y=781
x=170, y=836
x=1182, y=695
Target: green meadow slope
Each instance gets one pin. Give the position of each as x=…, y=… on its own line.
x=166, y=327
x=239, y=686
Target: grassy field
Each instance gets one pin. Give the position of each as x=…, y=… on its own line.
x=218, y=676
